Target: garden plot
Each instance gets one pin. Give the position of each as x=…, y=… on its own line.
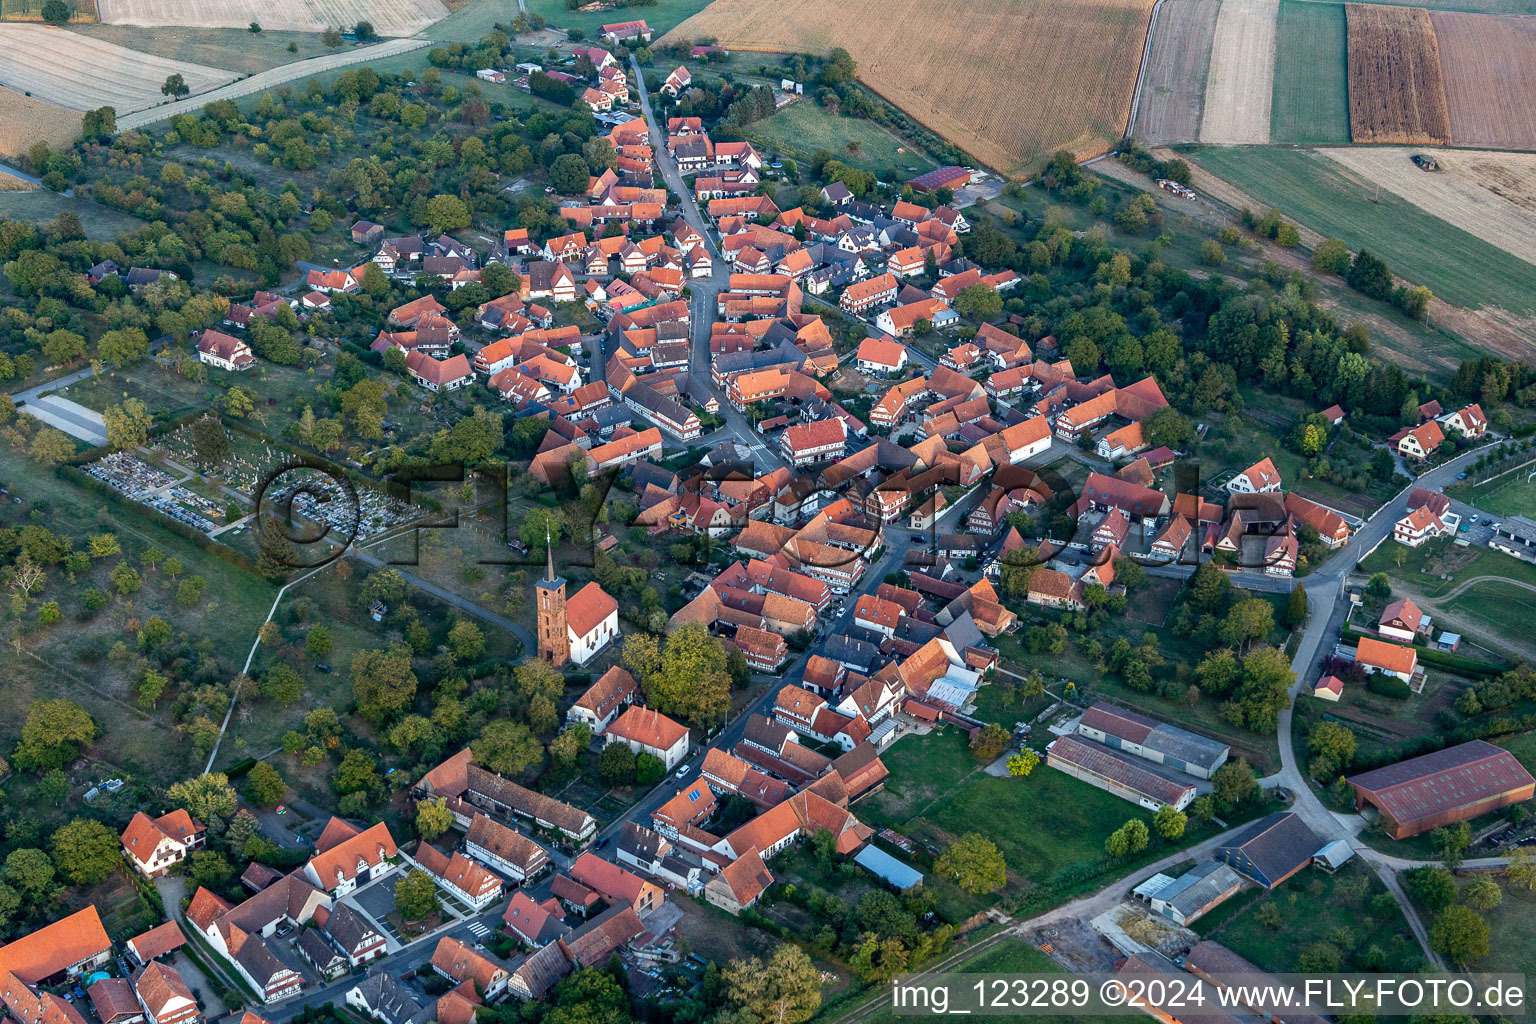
x=82, y=73
x=388, y=17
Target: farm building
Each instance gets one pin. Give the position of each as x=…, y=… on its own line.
x=1155, y=741
x=1516, y=537
x=941, y=177
x=1272, y=849
x=1114, y=772
x=1191, y=895
x=1447, y=786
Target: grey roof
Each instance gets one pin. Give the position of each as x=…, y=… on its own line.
x=1168, y=740
x=851, y=652
x=962, y=632
x=639, y=842
x=389, y=999
x=883, y=865
x=1334, y=854
x=316, y=950
x=1519, y=528
x=765, y=732
x=538, y=974
x=347, y=927
x=258, y=960
x=1192, y=891
x=1276, y=844
x=1130, y=772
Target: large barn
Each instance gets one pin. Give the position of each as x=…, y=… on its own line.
x=1155, y=741
x=1447, y=786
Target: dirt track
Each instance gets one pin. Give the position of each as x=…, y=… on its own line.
x=389, y=17
x=82, y=73
x=1241, y=79
x=1459, y=192
x=1173, y=96
x=1489, y=65
x=270, y=80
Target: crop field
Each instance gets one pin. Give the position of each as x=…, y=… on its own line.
x=83, y=11
x=1173, y=94
x=1240, y=82
x=803, y=127
x=26, y=119
x=237, y=49
x=1490, y=195
x=1329, y=198
x=1396, y=89
x=389, y=17
x=75, y=71
x=1489, y=65
x=1069, y=68
x=1311, y=94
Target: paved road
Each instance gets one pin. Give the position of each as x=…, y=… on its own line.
x=268, y=80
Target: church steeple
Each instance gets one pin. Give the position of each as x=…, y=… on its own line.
x=549, y=548
x=554, y=636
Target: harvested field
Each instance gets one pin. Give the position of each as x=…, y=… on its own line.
x=11, y=183
x=1070, y=67
x=25, y=120
x=1396, y=89
x=233, y=48
x=83, y=73
x=1460, y=193
x=1240, y=83
x=1173, y=95
x=1311, y=98
x=389, y=17
x=1489, y=65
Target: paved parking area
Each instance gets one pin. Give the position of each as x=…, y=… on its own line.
x=71, y=417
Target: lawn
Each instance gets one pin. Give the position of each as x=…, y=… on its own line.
x=1421, y=566
x=1523, y=747
x=1460, y=268
x=1513, y=494
x=804, y=127
x=1349, y=910
x=1311, y=93
x=1512, y=927
x=234, y=49
x=101, y=223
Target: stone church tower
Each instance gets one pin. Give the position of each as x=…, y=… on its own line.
x=554, y=637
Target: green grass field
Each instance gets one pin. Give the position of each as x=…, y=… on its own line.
x=1311, y=93
x=1315, y=907
x=1460, y=268
x=1510, y=495
x=802, y=128
x=1512, y=931
x=661, y=17
x=101, y=223
x=234, y=49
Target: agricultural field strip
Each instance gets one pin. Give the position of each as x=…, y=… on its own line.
x=1489, y=67
x=1071, y=67
x=271, y=79
x=1396, y=88
x=389, y=17
x=1173, y=96
x=1239, y=86
x=1311, y=86
x=82, y=73
x=27, y=119
x=1454, y=194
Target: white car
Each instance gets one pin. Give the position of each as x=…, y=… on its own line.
x=682, y=773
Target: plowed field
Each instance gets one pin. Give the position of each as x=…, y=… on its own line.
x=1489, y=64
x=1240, y=83
x=389, y=17
x=1396, y=89
x=1173, y=96
x=1007, y=82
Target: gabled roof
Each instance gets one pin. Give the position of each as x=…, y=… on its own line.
x=373, y=846
x=1277, y=844
x=1449, y=779
x=53, y=947
x=158, y=941
x=508, y=844
x=459, y=962
x=590, y=606
x=648, y=728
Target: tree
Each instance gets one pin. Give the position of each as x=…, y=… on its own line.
x=264, y=787
x=383, y=683
x=55, y=732
x=1209, y=588
x=1434, y=888
x=317, y=642
x=589, y=996
x=1521, y=869
x=1296, y=607
x=56, y=12
x=416, y=895
x=466, y=641
x=785, y=990
x=1022, y=763
x=210, y=441
x=208, y=798
x=447, y=213
x=569, y=174
x=1460, y=933
x=1331, y=256
x=649, y=769
x=1333, y=740
x=127, y=424
x=974, y=863
x=123, y=346
x=692, y=680
x=1451, y=841
x=1129, y=839
x=209, y=870
x=1483, y=893
x=1248, y=620
x=1234, y=784
x=433, y=818
x=979, y=302
x=990, y=741
x=1379, y=586
x=616, y=765
x=29, y=871
x=1169, y=823
x=86, y=851
x=175, y=86
x=51, y=446
x=565, y=750
x=507, y=748
x=331, y=38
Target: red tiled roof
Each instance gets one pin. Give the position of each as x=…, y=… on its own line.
x=647, y=727
x=588, y=608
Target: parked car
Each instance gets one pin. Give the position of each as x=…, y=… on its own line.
x=682, y=772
